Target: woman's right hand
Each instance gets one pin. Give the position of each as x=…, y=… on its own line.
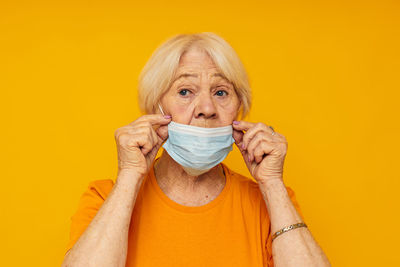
x=139, y=141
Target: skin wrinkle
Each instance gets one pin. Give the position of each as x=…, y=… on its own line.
x=105, y=242
x=190, y=109
x=202, y=108
x=186, y=75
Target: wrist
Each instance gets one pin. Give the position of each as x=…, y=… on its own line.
x=269, y=182
x=128, y=176
x=272, y=187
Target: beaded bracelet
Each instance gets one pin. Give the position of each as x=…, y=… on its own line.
x=288, y=228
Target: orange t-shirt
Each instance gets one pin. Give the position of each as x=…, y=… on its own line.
x=231, y=230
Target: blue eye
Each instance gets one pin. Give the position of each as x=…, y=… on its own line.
x=184, y=92
x=221, y=93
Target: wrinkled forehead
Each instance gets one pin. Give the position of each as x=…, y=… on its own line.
x=195, y=76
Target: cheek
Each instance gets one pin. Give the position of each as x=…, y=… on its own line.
x=181, y=113
x=229, y=111
x=231, y=105
x=228, y=114
x=179, y=110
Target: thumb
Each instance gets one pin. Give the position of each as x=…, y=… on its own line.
x=162, y=132
x=153, y=153
x=238, y=136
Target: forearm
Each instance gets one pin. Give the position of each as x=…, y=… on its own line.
x=105, y=241
x=296, y=247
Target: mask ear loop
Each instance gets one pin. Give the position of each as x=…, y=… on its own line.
x=162, y=111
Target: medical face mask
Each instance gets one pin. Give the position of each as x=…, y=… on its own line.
x=198, y=149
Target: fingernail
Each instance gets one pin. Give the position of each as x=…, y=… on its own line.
x=167, y=116
x=249, y=158
x=243, y=146
x=235, y=122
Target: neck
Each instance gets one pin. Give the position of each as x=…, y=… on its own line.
x=173, y=179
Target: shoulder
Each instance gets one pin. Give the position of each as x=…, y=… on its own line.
x=101, y=188
x=93, y=197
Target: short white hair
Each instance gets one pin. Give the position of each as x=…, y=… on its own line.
x=157, y=75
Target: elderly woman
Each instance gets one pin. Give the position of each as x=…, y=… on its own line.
x=187, y=208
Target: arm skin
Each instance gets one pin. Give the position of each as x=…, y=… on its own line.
x=264, y=152
x=105, y=241
x=296, y=247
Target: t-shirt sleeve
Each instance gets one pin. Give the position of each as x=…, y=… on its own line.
x=268, y=260
x=90, y=202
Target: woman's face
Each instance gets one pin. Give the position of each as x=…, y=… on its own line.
x=200, y=95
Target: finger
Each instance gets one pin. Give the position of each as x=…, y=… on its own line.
x=250, y=165
x=155, y=119
x=245, y=155
x=238, y=136
x=144, y=138
x=158, y=141
x=254, y=143
x=148, y=145
x=155, y=137
x=259, y=127
x=261, y=150
x=153, y=153
x=147, y=148
x=162, y=132
x=142, y=141
x=145, y=125
x=242, y=125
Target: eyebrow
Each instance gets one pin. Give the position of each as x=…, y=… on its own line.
x=185, y=75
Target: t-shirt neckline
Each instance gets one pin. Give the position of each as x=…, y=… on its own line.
x=191, y=209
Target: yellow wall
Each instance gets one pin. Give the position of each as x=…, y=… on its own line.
x=324, y=74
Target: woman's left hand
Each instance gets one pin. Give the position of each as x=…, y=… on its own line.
x=263, y=152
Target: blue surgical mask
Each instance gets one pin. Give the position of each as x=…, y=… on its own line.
x=198, y=149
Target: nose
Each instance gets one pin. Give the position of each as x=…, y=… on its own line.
x=205, y=107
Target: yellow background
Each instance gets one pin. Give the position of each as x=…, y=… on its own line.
x=324, y=73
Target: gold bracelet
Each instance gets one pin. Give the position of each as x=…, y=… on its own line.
x=288, y=228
